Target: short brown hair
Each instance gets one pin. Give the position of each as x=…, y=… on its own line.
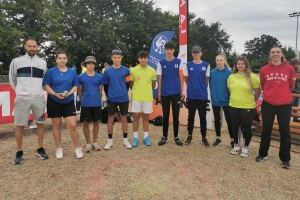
x=170, y=45
x=143, y=54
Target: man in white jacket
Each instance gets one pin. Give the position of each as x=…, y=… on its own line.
x=26, y=75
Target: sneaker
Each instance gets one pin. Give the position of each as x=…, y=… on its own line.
x=244, y=152
x=235, y=149
x=163, y=141
x=286, y=165
x=126, y=143
x=296, y=120
x=177, y=141
x=78, y=152
x=260, y=158
x=19, y=158
x=96, y=147
x=109, y=144
x=41, y=153
x=59, y=153
x=88, y=148
x=217, y=142
x=232, y=144
x=135, y=142
x=189, y=140
x=204, y=141
x=147, y=141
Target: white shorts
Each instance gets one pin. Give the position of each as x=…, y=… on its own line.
x=144, y=107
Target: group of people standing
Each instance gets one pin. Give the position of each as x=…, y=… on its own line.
x=236, y=92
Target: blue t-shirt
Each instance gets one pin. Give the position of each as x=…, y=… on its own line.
x=116, y=81
x=61, y=81
x=90, y=89
x=197, y=73
x=169, y=70
x=218, y=86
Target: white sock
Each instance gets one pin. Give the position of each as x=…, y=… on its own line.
x=135, y=134
x=125, y=139
x=145, y=134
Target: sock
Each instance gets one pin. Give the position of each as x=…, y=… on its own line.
x=110, y=136
x=124, y=135
x=135, y=134
x=145, y=134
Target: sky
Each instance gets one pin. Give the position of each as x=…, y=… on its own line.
x=245, y=20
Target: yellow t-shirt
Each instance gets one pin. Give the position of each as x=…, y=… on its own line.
x=83, y=69
x=240, y=94
x=103, y=70
x=142, y=83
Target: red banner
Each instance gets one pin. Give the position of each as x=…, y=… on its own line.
x=7, y=97
x=183, y=22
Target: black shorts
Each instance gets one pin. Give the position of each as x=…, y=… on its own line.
x=112, y=107
x=90, y=114
x=55, y=109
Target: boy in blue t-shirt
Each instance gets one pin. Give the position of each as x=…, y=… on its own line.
x=90, y=92
x=197, y=74
x=115, y=78
x=170, y=86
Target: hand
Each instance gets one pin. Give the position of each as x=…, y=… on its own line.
x=58, y=95
x=158, y=97
x=182, y=97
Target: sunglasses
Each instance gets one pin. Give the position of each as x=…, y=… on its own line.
x=116, y=51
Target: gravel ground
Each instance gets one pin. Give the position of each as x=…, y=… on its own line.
x=166, y=172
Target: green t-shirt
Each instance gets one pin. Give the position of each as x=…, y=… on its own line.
x=142, y=83
x=240, y=94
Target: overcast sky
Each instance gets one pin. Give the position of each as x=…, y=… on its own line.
x=244, y=20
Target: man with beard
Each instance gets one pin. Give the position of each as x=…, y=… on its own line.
x=26, y=75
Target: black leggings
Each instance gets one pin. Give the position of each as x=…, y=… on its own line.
x=166, y=101
x=200, y=105
x=217, y=117
x=241, y=118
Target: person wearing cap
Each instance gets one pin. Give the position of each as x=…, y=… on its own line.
x=90, y=92
x=115, y=78
x=197, y=74
x=61, y=83
x=170, y=86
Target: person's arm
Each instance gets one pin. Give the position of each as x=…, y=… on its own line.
x=257, y=93
x=12, y=75
x=100, y=90
x=51, y=92
x=79, y=91
x=159, y=80
x=131, y=84
x=207, y=80
x=186, y=80
x=207, y=75
x=153, y=84
x=262, y=80
x=292, y=80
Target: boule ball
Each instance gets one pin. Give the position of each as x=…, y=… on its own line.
x=66, y=92
x=63, y=94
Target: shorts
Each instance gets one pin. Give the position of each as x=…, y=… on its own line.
x=55, y=109
x=144, y=107
x=89, y=114
x=22, y=109
x=112, y=107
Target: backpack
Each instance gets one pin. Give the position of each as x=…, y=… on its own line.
x=157, y=121
x=104, y=116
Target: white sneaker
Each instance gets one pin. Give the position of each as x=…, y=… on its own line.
x=244, y=152
x=126, y=143
x=96, y=147
x=59, y=153
x=235, y=150
x=78, y=152
x=109, y=144
x=88, y=148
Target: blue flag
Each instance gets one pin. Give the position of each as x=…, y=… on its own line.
x=157, y=51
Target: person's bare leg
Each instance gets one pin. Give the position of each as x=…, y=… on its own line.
x=145, y=122
x=95, y=131
x=40, y=133
x=19, y=137
x=136, y=119
x=124, y=123
x=72, y=126
x=86, y=131
x=56, y=129
x=110, y=122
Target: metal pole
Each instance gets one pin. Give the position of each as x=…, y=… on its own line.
x=297, y=32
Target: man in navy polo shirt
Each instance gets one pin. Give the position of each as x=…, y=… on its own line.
x=197, y=74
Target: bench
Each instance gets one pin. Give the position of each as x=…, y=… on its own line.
x=294, y=126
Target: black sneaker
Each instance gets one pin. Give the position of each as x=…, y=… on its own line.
x=286, y=165
x=296, y=120
x=163, y=141
x=177, y=141
x=204, y=141
x=189, y=140
x=217, y=142
x=19, y=158
x=41, y=153
x=260, y=158
x=232, y=145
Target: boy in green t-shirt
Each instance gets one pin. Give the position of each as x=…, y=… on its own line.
x=142, y=83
